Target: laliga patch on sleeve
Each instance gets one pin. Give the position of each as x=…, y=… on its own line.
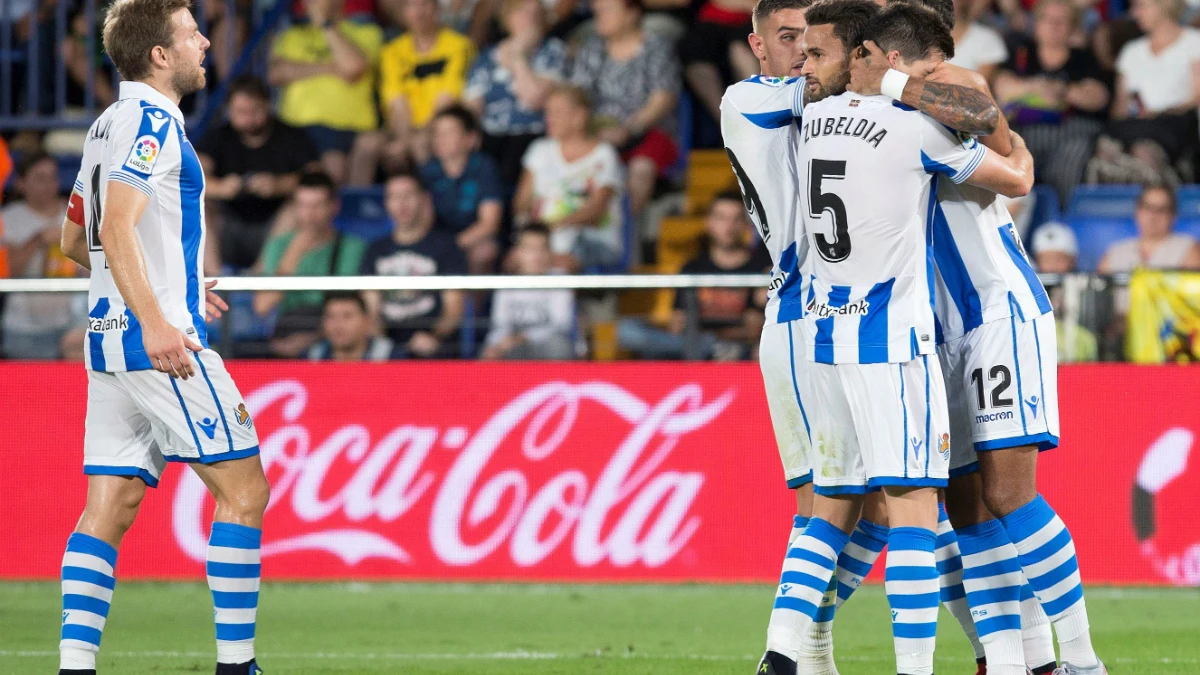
x=144, y=154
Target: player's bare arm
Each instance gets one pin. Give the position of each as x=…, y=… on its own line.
x=957, y=106
x=166, y=346
x=946, y=73
x=1011, y=176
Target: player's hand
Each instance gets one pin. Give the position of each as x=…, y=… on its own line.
x=214, y=304
x=1018, y=143
x=167, y=347
x=261, y=185
x=424, y=344
x=868, y=64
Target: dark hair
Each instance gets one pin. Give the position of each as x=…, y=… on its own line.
x=943, y=8
x=465, y=117
x=31, y=160
x=727, y=196
x=1164, y=188
x=849, y=19
x=132, y=28
x=538, y=228
x=406, y=175
x=763, y=9
x=912, y=30
x=345, y=296
x=319, y=180
x=249, y=85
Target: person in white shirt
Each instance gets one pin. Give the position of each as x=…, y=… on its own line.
x=572, y=183
x=156, y=392
x=529, y=324
x=976, y=47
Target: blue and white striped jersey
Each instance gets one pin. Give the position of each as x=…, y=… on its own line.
x=140, y=141
x=758, y=125
x=983, y=273
x=870, y=177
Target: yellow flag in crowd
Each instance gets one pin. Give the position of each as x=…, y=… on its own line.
x=1164, y=317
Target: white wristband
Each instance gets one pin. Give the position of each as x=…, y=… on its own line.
x=893, y=84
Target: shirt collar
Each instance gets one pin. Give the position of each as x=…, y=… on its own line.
x=143, y=91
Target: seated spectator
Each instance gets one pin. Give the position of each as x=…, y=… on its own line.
x=32, y=228
x=715, y=53
x=532, y=324
x=572, y=183
x=730, y=320
x=976, y=46
x=509, y=83
x=1054, y=252
x=314, y=248
x=1055, y=96
x=1157, y=89
x=346, y=332
x=424, y=324
x=632, y=78
x=327, y=72
x=468, y=199
x=252, y=164
x=1156, y=246
x=421, y=72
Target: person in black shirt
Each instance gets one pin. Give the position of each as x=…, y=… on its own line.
x=1055, y=96
x=424, y=323
x=729, y=320
x=253, y=164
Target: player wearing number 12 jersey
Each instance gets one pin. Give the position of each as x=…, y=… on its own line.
x=156, y=392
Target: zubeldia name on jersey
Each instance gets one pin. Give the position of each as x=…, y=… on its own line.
x=867, y=130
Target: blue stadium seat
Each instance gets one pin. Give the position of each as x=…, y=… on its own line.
x=1189, y=226
x=1103, y=201
x=363, y=214
x=1096, y=234
x=1046, y=207
x=1189, y=202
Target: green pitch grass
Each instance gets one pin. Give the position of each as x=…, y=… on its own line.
x=536, y=629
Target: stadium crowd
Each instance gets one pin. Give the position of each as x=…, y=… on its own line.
x=539, y=136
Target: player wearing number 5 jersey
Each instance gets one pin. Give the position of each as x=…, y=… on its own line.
x=156, y=392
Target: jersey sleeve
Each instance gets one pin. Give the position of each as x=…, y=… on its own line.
x=947, y=152
x=138, y=142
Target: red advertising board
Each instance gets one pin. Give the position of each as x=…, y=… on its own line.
x=598, y=472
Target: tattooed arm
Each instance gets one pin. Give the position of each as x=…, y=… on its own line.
x=999, y=140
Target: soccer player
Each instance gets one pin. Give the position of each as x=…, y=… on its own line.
x=869, y=327
x=994, y=320
x=156, y=392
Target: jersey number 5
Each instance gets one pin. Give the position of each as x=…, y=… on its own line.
x=821, y=202
x=750, y=197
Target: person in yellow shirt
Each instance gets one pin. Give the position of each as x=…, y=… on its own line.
x=326, y=69
x=421, y=72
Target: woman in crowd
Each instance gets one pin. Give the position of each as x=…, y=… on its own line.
x=1157, y=246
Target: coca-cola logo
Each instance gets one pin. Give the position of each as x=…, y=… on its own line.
x=351, y=490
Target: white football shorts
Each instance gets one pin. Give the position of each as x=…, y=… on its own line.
x=877, y=425
x=138, y=421
x=781, y=357
x=1002, y=386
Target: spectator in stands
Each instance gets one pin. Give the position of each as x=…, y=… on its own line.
x=1156, y=246
x=468, y=199
x=633, y=79
x=327, y=72
x=346, y=330
x=509, y=83
x=421, y=71
x=715, y=53
x=424, y=324
x=976, y=46
x=729, y=320
x=572, y=183
x=1055, y=250
x=314, y=248
x=532, y=324
x=35, y=322
x=252, y=164
x=1158, y=81
x=1055, y=96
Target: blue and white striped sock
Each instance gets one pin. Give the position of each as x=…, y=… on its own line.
x=856, y=560
x=87, y=589
x=911, y=583
x=1036, y=636
x=816, y=646
x=1047, y=555
x=993, y=579
x=234, y=569
x=953, y=595
x=807, y=571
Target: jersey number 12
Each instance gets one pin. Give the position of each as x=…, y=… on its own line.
x=820, y=203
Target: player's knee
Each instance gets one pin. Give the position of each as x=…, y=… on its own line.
x=1003, y=497
x=117, y=509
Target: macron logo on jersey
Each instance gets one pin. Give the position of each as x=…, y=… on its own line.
x=148, y=147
